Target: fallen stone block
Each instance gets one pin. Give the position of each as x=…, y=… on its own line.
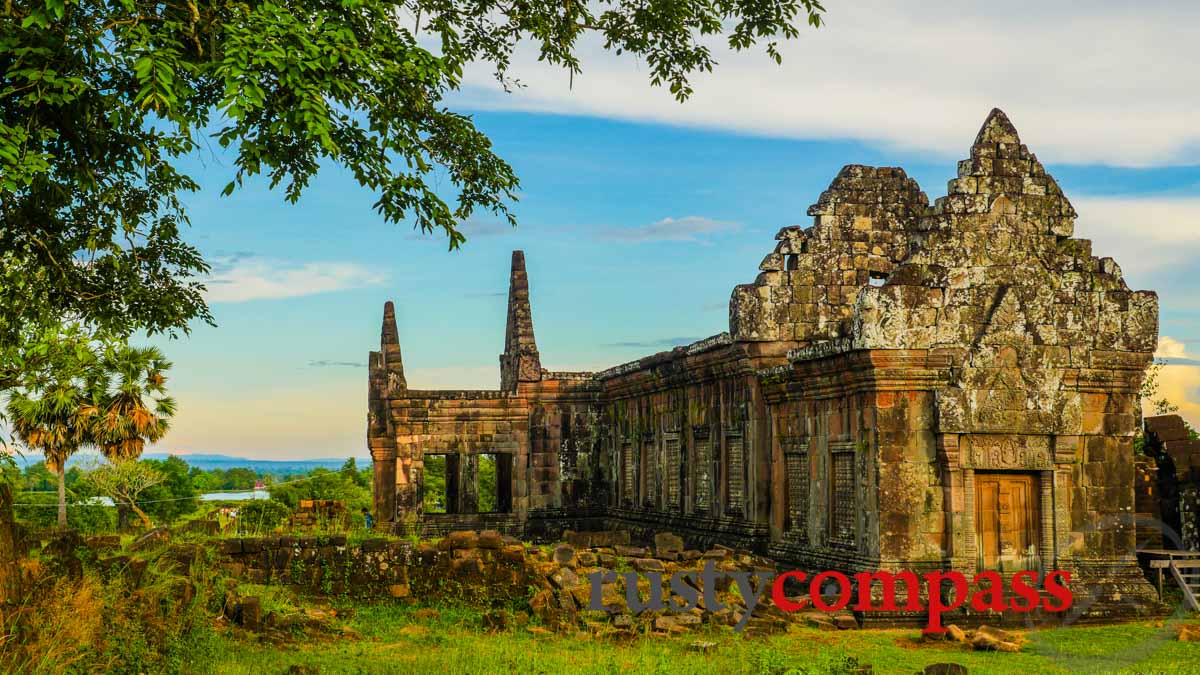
x=564, y=554
x=490, y=539
x=845, y=621
x=818, y=620
x=155, y=537
x=462, y=539
x=665, y=542
x=565, y=578
x=644, y=565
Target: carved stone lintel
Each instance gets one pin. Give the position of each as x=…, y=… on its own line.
x=1006, y=451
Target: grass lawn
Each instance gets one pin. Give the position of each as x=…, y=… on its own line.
x=394, y=641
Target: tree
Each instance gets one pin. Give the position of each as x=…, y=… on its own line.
x=101, y=99
x=54, y=412
x=38, y=478
x=323, y=484
x=1149, y=390
x=138, y=409
x=434, y=495
x=176, y=495
x=125, y=481
x=361, y=478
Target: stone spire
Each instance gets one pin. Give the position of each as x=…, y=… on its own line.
x=520, y=361
x=997, y=129
x=1003, y=177
x=389, y=346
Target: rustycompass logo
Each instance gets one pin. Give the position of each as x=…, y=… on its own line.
x=945, y=591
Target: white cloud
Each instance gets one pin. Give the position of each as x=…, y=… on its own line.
x=241, y=278
x=1178, y=380
x=1106, y=82
x=1170, y=348
x=1146, y=236
x=687, y=228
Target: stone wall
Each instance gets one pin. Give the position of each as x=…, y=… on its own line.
x=1177, y=458
x=1147, y=503
x=484, y=569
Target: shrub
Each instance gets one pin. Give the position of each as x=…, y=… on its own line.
x=261, y=515
x=39, y=511
x=343, y=485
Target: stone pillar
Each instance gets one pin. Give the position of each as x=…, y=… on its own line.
x=1046, y=519
x=972, y=545
x=520, y=361
x=469, y=485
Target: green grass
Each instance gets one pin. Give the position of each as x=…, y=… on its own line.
x=394, y=640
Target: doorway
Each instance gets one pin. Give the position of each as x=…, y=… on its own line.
x=1006, y=521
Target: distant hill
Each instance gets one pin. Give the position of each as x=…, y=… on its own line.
x=270, y=466
x=278, y=467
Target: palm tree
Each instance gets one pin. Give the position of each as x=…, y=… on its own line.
x=56, y=418
x=135, y=408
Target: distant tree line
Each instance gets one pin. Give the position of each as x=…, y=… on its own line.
x=175, y=493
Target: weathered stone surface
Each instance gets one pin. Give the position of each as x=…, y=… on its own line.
x=490, y=539
x=819, y=620
x=844, y=621
x=647, y=565
x=156, y=537
x=463, y=539
x=565, y=578
x=665, y=542
x=251, y=613
x=564, y=554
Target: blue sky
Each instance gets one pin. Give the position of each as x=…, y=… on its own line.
x=639, y=215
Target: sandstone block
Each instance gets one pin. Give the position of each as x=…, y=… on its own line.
x=490, y=539
x=665, y=542
x=564, y=554
x=644, y=565
x=462, y=539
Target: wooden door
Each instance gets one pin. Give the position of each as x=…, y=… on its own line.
x=1006, y=520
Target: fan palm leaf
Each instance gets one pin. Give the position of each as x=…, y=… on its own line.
x=137, y=410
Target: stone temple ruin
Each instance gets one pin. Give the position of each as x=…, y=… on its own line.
x=904, y=385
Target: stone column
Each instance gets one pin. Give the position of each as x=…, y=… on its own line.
x=469, y=483
x=972, y=545
x=1046, y=519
